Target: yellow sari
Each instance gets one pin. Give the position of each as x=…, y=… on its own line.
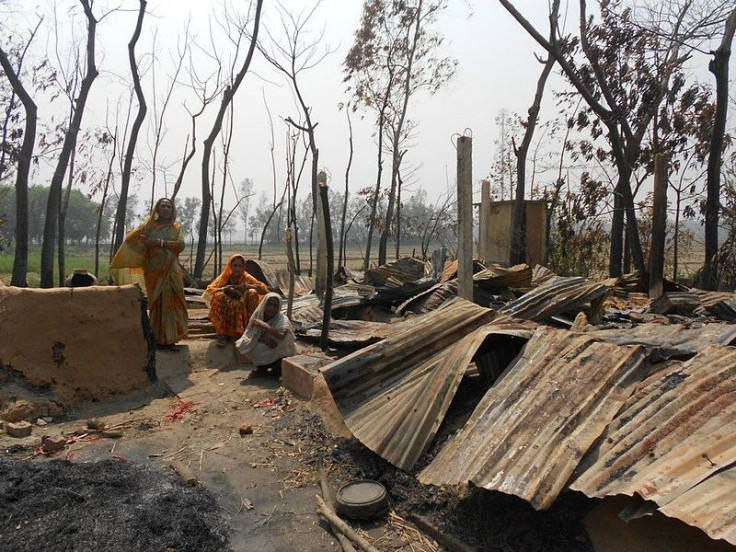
x=158, y=268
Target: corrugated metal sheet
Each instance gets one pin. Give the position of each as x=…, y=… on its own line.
x=278, y=279
x=709, y=506
x=496, y=276
x=670, y=341
x=430, y=299
x=394, y=394
x=354, y=333
x=676, y=302
x=406, y=269
x=262, y=271
x=638, y=283
x=302, y=284
x=531, y=429
x=558, y=296
x=719, y=304
x=541, y=274
x=672, y=442
x=307, y=309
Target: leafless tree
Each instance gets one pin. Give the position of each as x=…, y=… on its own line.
x=158, y=116
x=227, y=98
x=133, y=137
x=342, y=256
x=25, y=157
x=70, y=140
x=518, y=219
x=298, y=54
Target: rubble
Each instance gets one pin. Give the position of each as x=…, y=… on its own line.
x=18, y=430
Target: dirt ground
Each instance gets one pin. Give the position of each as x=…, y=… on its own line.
x=255, y=491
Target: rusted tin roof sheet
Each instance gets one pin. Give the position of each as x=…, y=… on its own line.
x=394, y=394
x=638, y=283
x=541, y=274
x=558, y=296
x=672, y=442
x=449, y=271
x=496, y=277
x=278, y=279
x=302, y=284
x=709, y=506
x=673, y=340
x=531, y=429
x=717, y=303
x=406, y=269
x=676, y=302
x=354, y=333
x=307, y=309
x=262, y=271
x=430, y=299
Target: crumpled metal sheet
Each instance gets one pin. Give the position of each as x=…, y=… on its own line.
x=670, y=341
x=306, y=310
x=556, y=297
x=406, y=269
x=674, y=443
x=541, y=274
x=429, y=300
x=278, y=279
x=717, y=303
x=709, y=506
x=675, y=302
x=353, y=333
x=496, y=277
x=302, y=284
x=531, y=429
x=394, y=394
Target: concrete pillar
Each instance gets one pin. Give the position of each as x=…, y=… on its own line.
x=465, y=217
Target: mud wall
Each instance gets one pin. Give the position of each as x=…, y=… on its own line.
x=81, y=344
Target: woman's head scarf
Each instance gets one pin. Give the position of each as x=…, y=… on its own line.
x=223, y=279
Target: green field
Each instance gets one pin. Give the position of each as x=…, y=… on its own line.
x=83, y=257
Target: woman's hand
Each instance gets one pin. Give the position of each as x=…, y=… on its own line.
x=261, y=324
x=151, y=242
x=232, y=291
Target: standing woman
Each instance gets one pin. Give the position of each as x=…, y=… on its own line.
x=233, y=297
x=153, y=249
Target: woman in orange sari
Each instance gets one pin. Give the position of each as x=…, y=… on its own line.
x=152, y=250
x=233, y=297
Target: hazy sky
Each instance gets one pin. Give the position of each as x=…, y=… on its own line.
x=497, y=70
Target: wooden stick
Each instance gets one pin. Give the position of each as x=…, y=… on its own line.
x=343, y=527
x=445, y=540
x=329, y=499
x=185, y=473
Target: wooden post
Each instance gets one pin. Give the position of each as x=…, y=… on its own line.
x=292, y=271
x=320, y=280
x=659, y=226
x=465, y=217
x=484, y=246
x=329, y=263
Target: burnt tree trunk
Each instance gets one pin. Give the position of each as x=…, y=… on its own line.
x=70, y=143
x=719, y=67
x=25, y=157
x=210, y=140
x=137, y=123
